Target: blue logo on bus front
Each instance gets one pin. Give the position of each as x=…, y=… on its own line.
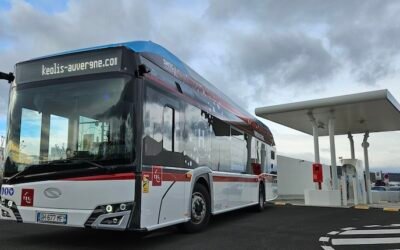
x=7, y=191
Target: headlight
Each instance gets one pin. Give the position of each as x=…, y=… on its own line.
x=109, y=209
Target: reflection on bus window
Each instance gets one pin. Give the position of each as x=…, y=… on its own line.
x=197, y=137
x=58, y=137
x=168, y=129
x=31, y=126
x=221, y=145
x=238, y=151
x=91, y=134
x=264, y=160
x=67, y=121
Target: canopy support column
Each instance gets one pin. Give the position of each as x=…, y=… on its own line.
x=331, y=127
x=316, y=143
x=365, y=145
x=316, y=138
x=353, y=156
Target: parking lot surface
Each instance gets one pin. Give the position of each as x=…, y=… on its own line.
x=278, y=227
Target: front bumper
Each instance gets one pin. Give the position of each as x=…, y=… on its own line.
x=98, y=218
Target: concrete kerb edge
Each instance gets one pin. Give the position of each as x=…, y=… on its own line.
x=360, y=207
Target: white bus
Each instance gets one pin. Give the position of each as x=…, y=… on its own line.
x=128, y=137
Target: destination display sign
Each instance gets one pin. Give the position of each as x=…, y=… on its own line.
x=90, y=62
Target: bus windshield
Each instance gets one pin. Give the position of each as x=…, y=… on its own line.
x=81, y=120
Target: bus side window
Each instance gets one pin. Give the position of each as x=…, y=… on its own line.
x=264, y=156
x=220, y=146
x=238, y=149
x=272, y=155
x=168, y=128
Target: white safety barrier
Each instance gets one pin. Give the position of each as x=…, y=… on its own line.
x=389, y=196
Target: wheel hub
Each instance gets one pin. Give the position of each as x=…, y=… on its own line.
x=198, y=208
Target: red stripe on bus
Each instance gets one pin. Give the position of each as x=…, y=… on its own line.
x=130, y=176
x=169, y=176
x=233, y=179
x=104, y=177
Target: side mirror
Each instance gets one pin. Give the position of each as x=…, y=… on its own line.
x=8, y=77
x=143, y=69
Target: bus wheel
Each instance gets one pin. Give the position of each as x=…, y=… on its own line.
x=261, y=198
x=200, y=210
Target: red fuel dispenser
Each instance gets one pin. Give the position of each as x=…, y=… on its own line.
x=256, y=168
x=317, y=174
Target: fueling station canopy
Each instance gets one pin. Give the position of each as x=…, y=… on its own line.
x=368, y=112
x=375, y=111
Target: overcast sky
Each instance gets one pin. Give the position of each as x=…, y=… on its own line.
x=259, y=52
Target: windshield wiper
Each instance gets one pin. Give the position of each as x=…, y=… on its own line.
x=77, y=162
x=66, y=162
x=21, y=173
x=94, y=164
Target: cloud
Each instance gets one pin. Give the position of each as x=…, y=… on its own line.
x=368, y=39
x=291, y=59
x=361, y=36
x=81, y=24
x=261, y=44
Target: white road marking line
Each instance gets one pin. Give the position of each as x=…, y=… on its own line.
x=327, y=248
x=373, y=226
x=348, y=228
x=365, y=241
x=333, y=232
x=372, y=231
x=394, y=225
x=324, y=239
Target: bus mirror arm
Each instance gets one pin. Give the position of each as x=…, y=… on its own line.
x=143, y=69
x=9, y=77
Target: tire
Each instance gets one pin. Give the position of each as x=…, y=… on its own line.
x=200, y=210
x=261, y=198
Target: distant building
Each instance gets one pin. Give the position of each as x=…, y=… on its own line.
x=1, y=163
x=1, y=154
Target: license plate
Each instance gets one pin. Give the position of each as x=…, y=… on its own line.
x=51, y=218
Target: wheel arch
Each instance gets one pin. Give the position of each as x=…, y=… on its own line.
x=203, y=180
x=203, y=176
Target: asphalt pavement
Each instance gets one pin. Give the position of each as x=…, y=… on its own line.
x=278, y=227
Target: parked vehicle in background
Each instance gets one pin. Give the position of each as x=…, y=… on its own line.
x=394, y=184
x=394, y=188
x=378, y=188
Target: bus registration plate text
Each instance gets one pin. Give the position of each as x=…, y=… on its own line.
x=51, y=218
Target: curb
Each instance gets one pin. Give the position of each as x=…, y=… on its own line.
x=280, y=203
x=359, y=207
x=391, y=209
x=363, y=207
x=386, y=209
